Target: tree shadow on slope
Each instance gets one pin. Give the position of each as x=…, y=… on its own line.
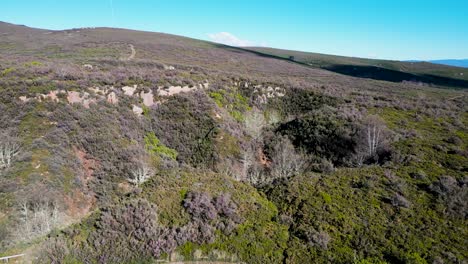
x=382, y=74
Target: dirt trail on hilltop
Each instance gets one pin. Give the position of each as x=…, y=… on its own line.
x=132, y=56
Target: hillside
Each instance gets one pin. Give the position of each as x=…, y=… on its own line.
x=123, y=146
x=394, y=71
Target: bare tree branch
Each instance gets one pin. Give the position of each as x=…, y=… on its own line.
x=140, y=175
x=374, y=137
x=286, y=161
x=9, y=149
x=37, y=218
x=254, y=123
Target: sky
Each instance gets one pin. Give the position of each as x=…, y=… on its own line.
x=383, y=29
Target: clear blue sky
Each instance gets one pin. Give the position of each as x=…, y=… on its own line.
x=397, y=29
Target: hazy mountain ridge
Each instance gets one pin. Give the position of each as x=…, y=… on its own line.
x=457, y=63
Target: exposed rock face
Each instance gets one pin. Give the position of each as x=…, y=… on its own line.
x=53, y=95
x=148, y=99
x=101, y=91
x=87, y=102
x=24, y=99
x=110, y=95
x=112, y=98
x=137, y=110
x=264, y=93
x=172, y=90
x=75, y=97
x=128, y=90
x=175, y=90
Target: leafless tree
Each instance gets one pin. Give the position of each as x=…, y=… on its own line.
x=141, y=174
x=37, y=218
x=248, y=159
x=273, y=117
x=256, y=175
x=320, y=239
x=286, y=162
x=374, y=137
x=9, y=149
x=374, y=133
x=254, y=123
x=231, y=168
x=252, y=169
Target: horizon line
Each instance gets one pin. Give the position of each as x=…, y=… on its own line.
x=267, y=47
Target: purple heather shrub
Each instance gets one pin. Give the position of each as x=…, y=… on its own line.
x=225, y=205
x=200, y=206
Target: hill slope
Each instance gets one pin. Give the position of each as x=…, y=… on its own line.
x=122, y=146
x=395, y=71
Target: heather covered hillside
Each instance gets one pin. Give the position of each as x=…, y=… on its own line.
x=122, y=146
x=424, y=73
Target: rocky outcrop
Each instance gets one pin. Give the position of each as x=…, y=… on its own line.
x=111, y=95
x=78, y=98
x=137, y=110
x=112, y=98
x=148, y=98
x=129, y=90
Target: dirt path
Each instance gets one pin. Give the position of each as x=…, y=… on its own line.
x=132, y=56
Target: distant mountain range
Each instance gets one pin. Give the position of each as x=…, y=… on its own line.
x=457, y=63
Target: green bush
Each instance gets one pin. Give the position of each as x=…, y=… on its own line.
x=322, y=134
x=33, y=64
x=8, y=71
x=232, y=100
x=154, y=145
x=300, y=101
x=184, y=123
